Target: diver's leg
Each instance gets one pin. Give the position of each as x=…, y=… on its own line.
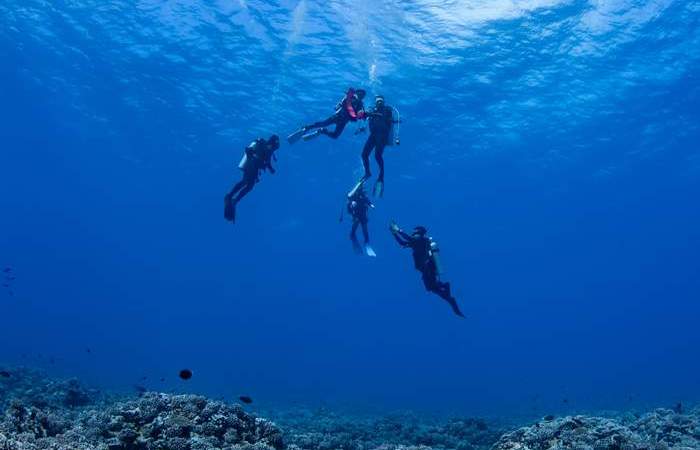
x=250, y=181
x=339, y=127
x=366, y=150
x=323, y=123
x=230, y=205
x=379, y=156
x=365, y=232
x=355, y=245
x=353, y=230
x=444, y=292
x=237, y=187
x=429, y=280
x=453, y=303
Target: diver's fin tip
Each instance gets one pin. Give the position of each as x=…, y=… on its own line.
x=294, y=137
x=378, y=189
x=229, y=209
x=312, y=135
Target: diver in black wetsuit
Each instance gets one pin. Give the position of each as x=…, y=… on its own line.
x=425, y=260
x=381, y=119
x=258, y=156
x=350, y=108
x=358, y=205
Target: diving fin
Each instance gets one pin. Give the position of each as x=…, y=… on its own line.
x=292, y=138
x=378, y=189
x=313, y=134
x=455, y=308
x=229, y=209
x=369, y=251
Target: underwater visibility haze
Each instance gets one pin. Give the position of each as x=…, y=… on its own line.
x=550, y=147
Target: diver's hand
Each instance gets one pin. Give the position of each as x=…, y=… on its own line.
x=393, y=227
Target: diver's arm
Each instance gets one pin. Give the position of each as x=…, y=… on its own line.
x=401, y=236
x=361, y=113
x=400, y=240
x=405, y=236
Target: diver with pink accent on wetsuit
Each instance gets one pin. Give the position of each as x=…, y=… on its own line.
x=349, y=109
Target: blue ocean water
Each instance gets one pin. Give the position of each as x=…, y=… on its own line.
x=550, y=146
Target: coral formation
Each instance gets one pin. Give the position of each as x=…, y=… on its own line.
x=324, y=430
x=662, y=429
x=157, y=421
x=39, y=413
x=46, y=414
x=33, y=388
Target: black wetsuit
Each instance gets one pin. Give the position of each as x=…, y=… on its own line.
x=340, y=118
x=380, y=123
x=425, y=264
x=260, y=155
x=358, y=206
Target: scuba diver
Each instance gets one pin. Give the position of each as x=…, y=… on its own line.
x=358, y=204
x=426, y=261
x=258, y=156
x=349, y=109
x=381, y=121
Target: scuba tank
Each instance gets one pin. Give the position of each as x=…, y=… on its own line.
x=356, y=188
x=395, y=127
x=435, y=256
x=245, y=160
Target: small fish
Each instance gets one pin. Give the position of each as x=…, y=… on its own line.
x=565, y=401
x=548, y=418
x=144, y=378
x=185, y=374
x=5, y=285
x=678, y=408
x=7, y=269
x=245, y=399
x=4, y=374
x=10, y=278
x=140, y=390
x=87, y=350
x=162, y=379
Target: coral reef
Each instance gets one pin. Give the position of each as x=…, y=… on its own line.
x=662, y=429
x=39, y=413
x=33, y=388
x=47, y=414
x=187, y=422
x=324, y=430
